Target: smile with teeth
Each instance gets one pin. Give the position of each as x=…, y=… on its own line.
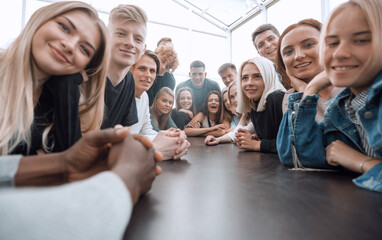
x=271, y=51
x=145, y=82
x=251, y=90
x=127, y=52
x=303, y=65
x=343, y=68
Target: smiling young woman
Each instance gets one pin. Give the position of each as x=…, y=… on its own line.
x=184, y=111
x=298, y=61
x=62, y=39
x=260, y=95
x=211, y=120
x=161, y=110
x=349, y=136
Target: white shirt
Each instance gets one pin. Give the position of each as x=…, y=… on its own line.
x=143, y=126
x=250, y=128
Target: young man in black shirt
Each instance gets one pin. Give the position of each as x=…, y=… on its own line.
x=127, y=29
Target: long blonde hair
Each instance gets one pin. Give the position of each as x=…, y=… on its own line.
x=271, y=84
x=161, y=120
x=18, y=80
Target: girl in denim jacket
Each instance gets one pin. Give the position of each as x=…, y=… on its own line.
x=351, y=133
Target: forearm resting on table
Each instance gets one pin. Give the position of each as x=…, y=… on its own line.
x=194, y=132
x=215, y=133
x=41, y=170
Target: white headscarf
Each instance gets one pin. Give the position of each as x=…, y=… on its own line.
x=271, y=84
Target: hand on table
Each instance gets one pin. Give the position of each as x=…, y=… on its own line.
x=338, y=153
x=88, y=156
x=211, y=140
x=246, y=140
x=134, y=161
x=172, y=143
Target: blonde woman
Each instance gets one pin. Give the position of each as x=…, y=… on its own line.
x=66, y=38
x=350, y=134
x=161, y=110
x=60, y=39
x=260, y=94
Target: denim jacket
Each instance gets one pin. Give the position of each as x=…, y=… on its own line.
x=300, y=135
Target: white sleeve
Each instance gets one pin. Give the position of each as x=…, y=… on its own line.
x=96, y=208
x=249, y=127
x=147, y=129
x=8, y=168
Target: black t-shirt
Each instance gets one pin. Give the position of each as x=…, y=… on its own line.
x=167, y=80
x=120, y=107
x=200, y=94
x=267, y=122
x=58, y=104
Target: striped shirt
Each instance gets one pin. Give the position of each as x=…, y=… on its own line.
x=352, y=104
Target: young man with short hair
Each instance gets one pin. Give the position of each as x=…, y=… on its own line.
x=199, y=84
x=127, y=29
x=265, y=39
x=165, y=41
x=228, y=73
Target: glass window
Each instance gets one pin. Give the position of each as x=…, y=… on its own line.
x=242, y=45
x=10, y=13
x=286, y=12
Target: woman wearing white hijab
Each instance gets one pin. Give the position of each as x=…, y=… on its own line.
x=260, y=94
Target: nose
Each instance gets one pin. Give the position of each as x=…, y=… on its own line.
x=267, y=44
x=68, y=44
x=299, y=54
x=129, y=41
x=342, y=51
x=147, y=74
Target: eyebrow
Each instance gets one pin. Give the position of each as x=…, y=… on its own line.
x=75, y=28
x=307, y=40
x=355, y=34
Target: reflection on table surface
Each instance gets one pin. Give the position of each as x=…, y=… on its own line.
x=221, y=192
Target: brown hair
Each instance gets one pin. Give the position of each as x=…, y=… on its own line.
x=227, y=114
x=279, y=60
x=220, y=113
x=263, y=28
x=177, y=96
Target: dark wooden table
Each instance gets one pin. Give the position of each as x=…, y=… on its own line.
x=222, y=192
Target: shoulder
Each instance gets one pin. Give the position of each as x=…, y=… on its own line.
x=211, y=82
x=275, y=96
x=199, y=117
x=129, y=79
x=185, y=83
x=169, y=76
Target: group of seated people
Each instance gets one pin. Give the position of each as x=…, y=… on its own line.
x=87, y=103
